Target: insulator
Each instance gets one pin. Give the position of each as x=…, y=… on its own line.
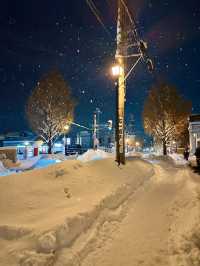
x=150, y=65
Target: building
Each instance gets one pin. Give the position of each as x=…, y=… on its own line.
x=106, y=135
x=194, y=132
x=84, y=139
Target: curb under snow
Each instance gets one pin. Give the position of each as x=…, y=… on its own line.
x=63, y=237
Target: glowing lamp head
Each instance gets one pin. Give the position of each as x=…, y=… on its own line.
x=117, y=70
x=66, y=127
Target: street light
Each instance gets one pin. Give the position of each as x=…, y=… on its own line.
x=118, y=73
x=117, y=70
x=137, y=144
x=66, y=128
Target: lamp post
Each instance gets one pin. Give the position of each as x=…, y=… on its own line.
x=118, y=73
x=95, y=139
x=66, y=128
x=137, y=144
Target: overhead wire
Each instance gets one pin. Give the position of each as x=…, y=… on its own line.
x=96, y=13
x=132, y=20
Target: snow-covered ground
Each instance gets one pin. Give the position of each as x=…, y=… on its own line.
x=174, y=158
x=3, y=171
x=178, y=159
x=44, y=210
x=161, y=226
x=94, y=213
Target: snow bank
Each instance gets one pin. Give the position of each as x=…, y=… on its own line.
x=178, y=159
x=91, y=155
x=31, y=163
x=192, y=160
x=3, y=170
x=184, y=243
x=171, y=158
x=27, y=164
x=58, y=156
x=55, y=206
x=134, y=154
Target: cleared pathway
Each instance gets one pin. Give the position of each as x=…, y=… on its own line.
x=141, y=239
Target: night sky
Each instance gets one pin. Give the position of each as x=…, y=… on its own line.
x=37, y=36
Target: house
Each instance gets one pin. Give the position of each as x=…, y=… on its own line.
x=194, y=132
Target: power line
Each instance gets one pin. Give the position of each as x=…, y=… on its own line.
x=78, y=125
x=96, y=13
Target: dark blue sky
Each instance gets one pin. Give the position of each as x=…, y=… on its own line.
x=36, y=36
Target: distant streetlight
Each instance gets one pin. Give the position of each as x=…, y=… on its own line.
x=118, y=73
x=66, y=128
x=137, y=144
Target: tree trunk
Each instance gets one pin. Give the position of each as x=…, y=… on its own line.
x=49, y=147
x=164, y=147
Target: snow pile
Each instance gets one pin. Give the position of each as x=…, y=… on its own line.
x=178, y=159
x=134, y=154
x=92, y=155
x=48, y=210
x=9, y=164
x=184, y=243
x=7, y=167
x=192, y=160
x=3, y=170
x=58, y=156
x=171, y=158
x=155, y=158
x=26, y=164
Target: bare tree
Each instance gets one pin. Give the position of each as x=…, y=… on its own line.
x=50, y=107
x=165, y=114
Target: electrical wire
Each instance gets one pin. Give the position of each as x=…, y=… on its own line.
x=78, y=125
x=132, y=20
x=96, y=13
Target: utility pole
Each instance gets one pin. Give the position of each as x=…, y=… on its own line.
x=95, y=140
x=129, y=46
x=98, y=112
x=121, y=85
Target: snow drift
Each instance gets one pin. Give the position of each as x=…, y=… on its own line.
x=48, y=209
x=91, y=155
x=3, y=170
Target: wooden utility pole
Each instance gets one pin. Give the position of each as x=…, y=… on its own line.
x=95, y=140
x=121, y=86
x=129, y=45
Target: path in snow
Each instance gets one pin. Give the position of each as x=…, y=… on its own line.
x=141, y=239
